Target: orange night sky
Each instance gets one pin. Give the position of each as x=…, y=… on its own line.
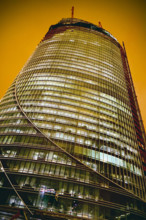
x=23, y=24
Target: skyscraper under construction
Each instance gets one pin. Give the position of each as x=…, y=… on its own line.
x=72, y=142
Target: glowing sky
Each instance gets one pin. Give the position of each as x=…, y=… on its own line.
x=23, y=24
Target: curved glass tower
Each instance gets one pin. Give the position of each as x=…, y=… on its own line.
x=72, y=140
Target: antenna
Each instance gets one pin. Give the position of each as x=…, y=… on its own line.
x=72, y=12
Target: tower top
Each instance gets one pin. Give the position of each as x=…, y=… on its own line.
x=81, y=23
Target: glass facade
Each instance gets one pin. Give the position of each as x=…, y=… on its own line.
x=70, y=147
